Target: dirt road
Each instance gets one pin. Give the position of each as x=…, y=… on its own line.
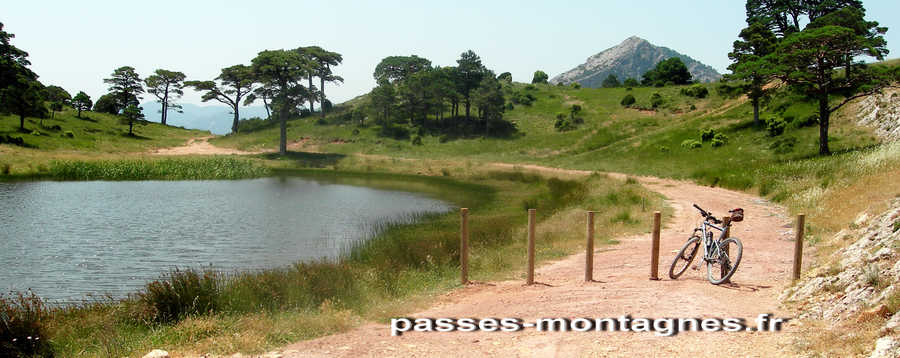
x=199, y=146
x=621, y=287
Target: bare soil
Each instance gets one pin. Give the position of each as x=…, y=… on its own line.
x=200, y=146
x=621, y=287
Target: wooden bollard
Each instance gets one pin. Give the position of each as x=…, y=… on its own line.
x=725, y=222
x=464, y=245
x=589, y=250
x=530, y=277
x=654, y=250
x=798, y=245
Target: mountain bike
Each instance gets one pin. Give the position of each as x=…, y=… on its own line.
x=722, y=255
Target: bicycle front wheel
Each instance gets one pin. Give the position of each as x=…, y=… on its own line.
x=723, y=267
x=684, y=257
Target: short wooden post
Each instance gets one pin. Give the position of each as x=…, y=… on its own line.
x=530, y=279
x=726, y=221
x=654, y=251
x=464, y=245
x=589, y=250
x=798, y=245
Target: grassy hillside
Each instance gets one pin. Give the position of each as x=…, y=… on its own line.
x=93, y=136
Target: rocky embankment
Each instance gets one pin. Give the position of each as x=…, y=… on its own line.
x=882, y=112
x=862, y=283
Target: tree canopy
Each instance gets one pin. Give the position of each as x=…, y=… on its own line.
x=749, y=65
x=540, y=77
x=669, y=71
x=125, y=85
x=399, y=68
x=283, y=71
x=229, y=87
x=167, y=86
x=81, y=102
x=611, y=81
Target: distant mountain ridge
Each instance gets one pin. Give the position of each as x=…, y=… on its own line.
x=215, y=118
x=631, y=58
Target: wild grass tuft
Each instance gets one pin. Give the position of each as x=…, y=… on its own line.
x=161, y=169
x=179, y=294
x=23, y=320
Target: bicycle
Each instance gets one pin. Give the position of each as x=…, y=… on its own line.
x=722, y=252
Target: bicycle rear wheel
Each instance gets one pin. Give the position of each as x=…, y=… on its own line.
x=684, y=257
x=723, y=267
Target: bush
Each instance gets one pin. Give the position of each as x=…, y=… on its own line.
x=775, y=126
x=180, y=294
x=355, y=131
x=807, y=121
x=656, y=100
x=663, y=149
x=707, y=134
x=22, y=330
x=12, y=140
x=394, y=131
x=68, y=134
x=691, y=144
x=562, y=123
x=576, y=85
x=719, y=140
x=509, y=106
x=523, y=98
x=696, y=91
x=628, y=100
x=784, y=145
x=417, y=140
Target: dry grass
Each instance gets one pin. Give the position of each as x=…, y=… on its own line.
x=850, y=339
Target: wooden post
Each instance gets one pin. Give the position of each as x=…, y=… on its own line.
x=589, y=250
x=530, y=279
x=654, y=251
x=725, y=222
x=798, y=245
x=464, y=245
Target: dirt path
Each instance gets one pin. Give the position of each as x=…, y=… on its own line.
x=621, y=288
x=199, y=146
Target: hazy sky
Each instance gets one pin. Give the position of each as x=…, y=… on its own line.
x=75, y=44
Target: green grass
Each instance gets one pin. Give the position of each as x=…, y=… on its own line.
x=196, y=168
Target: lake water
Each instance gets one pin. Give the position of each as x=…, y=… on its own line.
x=66, y=240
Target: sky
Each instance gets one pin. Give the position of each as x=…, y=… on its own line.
x=75, y=44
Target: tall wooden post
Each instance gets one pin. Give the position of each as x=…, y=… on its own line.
x=530, y=279
x=589, y=249
x=654, y=251
x=726, y=221
x=798, y=245
x=464, y=245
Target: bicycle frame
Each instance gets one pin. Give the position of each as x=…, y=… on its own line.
x=711, y=248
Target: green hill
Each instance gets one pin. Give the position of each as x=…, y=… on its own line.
x=93, y=136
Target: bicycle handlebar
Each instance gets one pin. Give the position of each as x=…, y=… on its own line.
x=707, y=215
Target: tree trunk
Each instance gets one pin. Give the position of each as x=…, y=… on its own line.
x=21, y=122
x=312, y=96
x=237, y=116
x=468, y=106
x=756, y=112
x=322, y=92
x=266, y=104
x=130, y=127
x=824, y=114
x=79, y=112
x=165, y=107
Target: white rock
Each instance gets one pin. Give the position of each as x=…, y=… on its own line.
x=883, y=253
x=893, y=324
x=886, y=347
x=861, y=219
x=157, y=353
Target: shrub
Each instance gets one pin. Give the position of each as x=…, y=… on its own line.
x=576, y=85
x=656, y=100
x=807, y=121
x=523, y=98
x=12, y=140
x=22, y=331
x=509, y=106
x=663, y=149
x=696, y=91
x=180, y=294
x=69, y=134
x=562, y=123
x=784, y=145
x=775, y=126
x=532, y=87
x=394, y=131
x=691, y=144
x=355, y=131
x=693, y=107
x=719, y=140
x=417, y=140
x=35, y=133
x=707, y=134
x=628, y=100
x=5, y=168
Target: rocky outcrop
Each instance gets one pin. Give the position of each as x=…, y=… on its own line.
x=882, y=112
x=631, y=58
x=861, y=283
